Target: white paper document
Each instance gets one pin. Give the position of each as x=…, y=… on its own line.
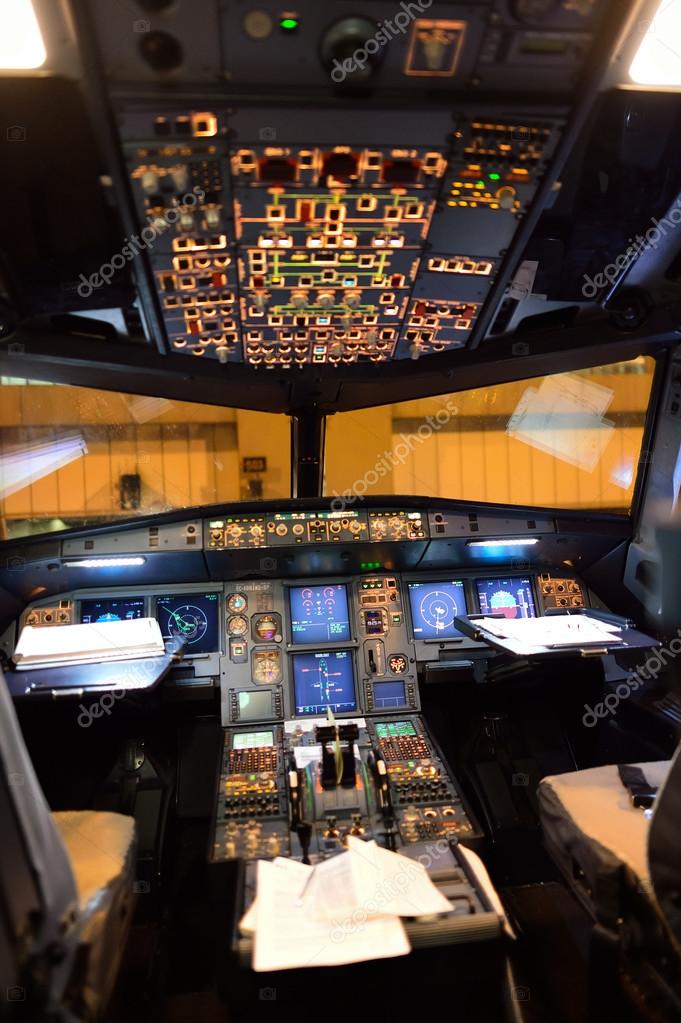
x=528, y=635
x=91, y=643
x=344, y=910
x=288, y=937
x=379, y=881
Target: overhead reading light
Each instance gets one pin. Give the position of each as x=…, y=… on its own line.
x=21, y=43
x=658, y=61
x=105, y=563
x=503, y=543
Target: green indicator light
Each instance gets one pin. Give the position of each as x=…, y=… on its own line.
x=289, y=24
x=480, y=184
x=495, y=177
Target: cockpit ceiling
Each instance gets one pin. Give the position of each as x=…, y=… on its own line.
x=322, y=191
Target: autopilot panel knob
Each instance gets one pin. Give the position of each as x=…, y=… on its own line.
x=344, y=51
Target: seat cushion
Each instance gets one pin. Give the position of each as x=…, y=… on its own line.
x=98, y=845
x=593, y=831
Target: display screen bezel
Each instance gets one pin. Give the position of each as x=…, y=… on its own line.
x=311, y=644
x=125, y=599
x=453, y=634
x=529, y=580
x=259, y=694
x=382, y=685
x=186, y=597
x=330, y=651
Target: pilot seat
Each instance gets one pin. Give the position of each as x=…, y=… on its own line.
x=66, y=893
x=597, y=825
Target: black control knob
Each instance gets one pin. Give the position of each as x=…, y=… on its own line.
x=351, y=51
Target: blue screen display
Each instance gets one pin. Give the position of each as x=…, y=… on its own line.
x=388, y=695
x=511, y=597
x=323, y=680
x=115, y=609
x=319, y=614
x=191, y=616
x=434, y=607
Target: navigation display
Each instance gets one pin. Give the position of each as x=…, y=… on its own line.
x=510, y=596
x=115, y=609
x=434, y=607
x=323, y=680
x=319, y=614
x=191, y=615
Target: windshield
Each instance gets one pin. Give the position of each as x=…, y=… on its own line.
x=75, y=456
x=569, y=440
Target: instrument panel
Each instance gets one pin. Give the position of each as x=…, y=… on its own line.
x=296, y=648
x=296, y=226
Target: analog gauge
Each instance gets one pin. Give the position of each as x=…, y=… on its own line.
x=236, y=603
x=267, y=628
x=188, y=622
x=532, y=10
x=266, y=667
x=397, y=664
x=237, y=626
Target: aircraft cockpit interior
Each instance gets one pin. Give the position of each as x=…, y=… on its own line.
x=340, y=510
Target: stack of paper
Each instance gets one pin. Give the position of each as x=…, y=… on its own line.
x=534, y=635
x=345, y=910
x=62, y=645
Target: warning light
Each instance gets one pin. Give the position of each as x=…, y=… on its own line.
x=289, y=24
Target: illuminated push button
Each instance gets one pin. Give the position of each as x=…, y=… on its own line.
x=506, y=197
x=149, y=181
